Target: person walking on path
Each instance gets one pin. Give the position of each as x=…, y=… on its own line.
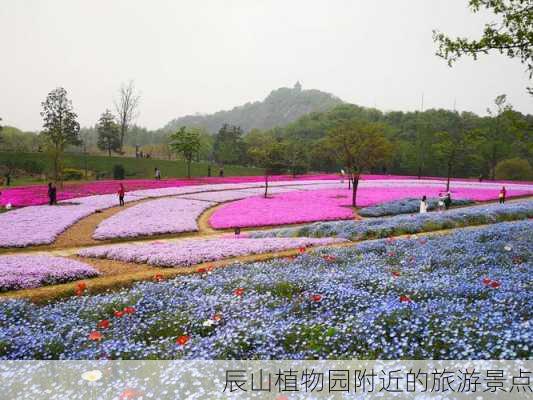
x=423, y=205
x=121, y=193
x=448, y=200
x=209, y=171
x=157, y=174
x=52, y=194
x=221, y=172
x=502, y=195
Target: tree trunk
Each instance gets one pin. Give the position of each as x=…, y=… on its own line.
x=189, y=169
x=355, y=183
x=419, y=172
x=448, y=175
x=109, y=151
x=266, y=186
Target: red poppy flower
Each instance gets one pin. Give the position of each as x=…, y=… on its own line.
x=81, y=285
x=217, y=317
x=129, y=310
x=301, y=250
x=103, y=324
x=238, y=292
x=78, y=292
x=329, y=258
x=202, y=270
x=395, y=274
x=487, y=281
x=210, y=268
x=130, y=394
x=158, y=277
x=182, y=340
x=495, y=284
x=316, y=298
x=119, y=314
x=405, y=299
x=95, y=335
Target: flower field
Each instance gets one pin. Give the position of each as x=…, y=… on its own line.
x=465, y=295
x=327, y=205
x=405, y=206
x=195, y=251
x=23, y=272
x=169, y=215
x=409, y=224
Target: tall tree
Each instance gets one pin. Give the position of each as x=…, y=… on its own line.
x=108, y=133
x=453, y=146
x=126, y=108
x=513, y=36
x=270, y=156
x=229, y=146
x=186, y=141
x=359, y=146
x=60, y=127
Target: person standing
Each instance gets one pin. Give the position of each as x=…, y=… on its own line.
x=448, y=200
x=52, y=194
x=423, y=205
x=501, y=196
x=157, y=174
x=209, y=171
x=121, y=193
x=221, y=172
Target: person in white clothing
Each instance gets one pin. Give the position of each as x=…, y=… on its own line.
x=423, y=205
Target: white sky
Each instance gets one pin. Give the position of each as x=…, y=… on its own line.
x=207, y=55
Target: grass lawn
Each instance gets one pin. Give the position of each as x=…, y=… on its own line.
x=135, y=167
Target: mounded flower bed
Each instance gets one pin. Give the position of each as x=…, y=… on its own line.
x=405, y=224
x=24, y=272
x=460, y=296
x=406, y=206
x=195, y=251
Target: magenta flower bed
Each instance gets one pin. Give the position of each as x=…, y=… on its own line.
x=328, y=205
x=23, y=272
x=194, y=251
x=38, y=194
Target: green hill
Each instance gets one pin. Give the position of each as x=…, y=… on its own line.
x=281, y=107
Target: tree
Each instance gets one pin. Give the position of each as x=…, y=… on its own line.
x=127, y=108
x=108, y=133
x=186, y=141
x=60, y=127
x=453, y=146
x=513, y=36
x=360, y=146
x=229, y=147
x=515, y=169
x=271, y=157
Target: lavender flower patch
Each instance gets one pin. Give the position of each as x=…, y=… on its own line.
x=406, y=224
x=405, y=206
x=195, y=251
x=169, y=215
x=23, y=272
x=464, y=295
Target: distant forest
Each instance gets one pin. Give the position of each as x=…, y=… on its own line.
x=434, y=142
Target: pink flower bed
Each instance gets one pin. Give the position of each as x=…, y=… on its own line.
x=38, y=194
x=328, y=205
x=156, y=217
x=195, y=251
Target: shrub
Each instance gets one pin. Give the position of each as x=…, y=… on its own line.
x=514, y=169
x=73, y=174
x=118, y=172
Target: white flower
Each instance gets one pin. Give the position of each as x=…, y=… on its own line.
x=508, y=248
x=92, y=376
x=8, y=206
x=208, y=322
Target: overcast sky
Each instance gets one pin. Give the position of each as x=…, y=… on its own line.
x=204, y=56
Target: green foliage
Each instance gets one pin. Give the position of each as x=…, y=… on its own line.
x=72, y=174
x=229, y=146
x=186, y=141
x=119, y=172
x=512, y=36
x=60, y=127
x=514, y=169
x=108, y=133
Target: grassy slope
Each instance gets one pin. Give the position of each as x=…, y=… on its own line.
x=135, y=168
